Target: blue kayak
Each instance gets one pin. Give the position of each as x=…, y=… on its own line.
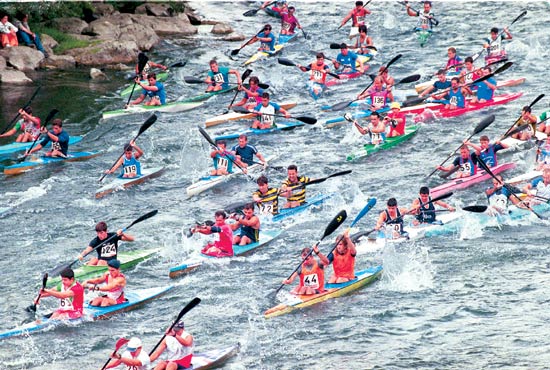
x=8, y=149
x=27, y=165
x=333, y=122
x=134, y=299
x=316, y=89
x=239, y=250
x=313, y=201
x=279, y=126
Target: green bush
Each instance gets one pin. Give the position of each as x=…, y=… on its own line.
x=65, y=41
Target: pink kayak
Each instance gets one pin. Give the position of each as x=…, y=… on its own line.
x=344, y=77
x=465, y=182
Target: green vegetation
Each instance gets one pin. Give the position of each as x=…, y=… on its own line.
x=66, y=41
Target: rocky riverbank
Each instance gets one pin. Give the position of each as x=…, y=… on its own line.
x=115, y=39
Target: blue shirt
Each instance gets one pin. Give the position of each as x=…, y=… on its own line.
x=483, y=91
x=220, y=77
x=268, y=45
x=348, y=60
x=161, y=93
x=438, y=85
x=246, y=153
x=62, y=144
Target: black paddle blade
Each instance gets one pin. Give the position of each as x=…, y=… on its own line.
x=286, y=62
x=475, y=209
x=235, y=52
x=193, y=80
x=306, y=119
x=340, y=106
x=207, y=137
x=50, y=116
x=323, y=179
x=143, y=218
x=484, y=124
x=250, y=13
x=446, y=174
x=519, y=17
x=413, y=101
x=194, y=302
x=240, y=109
x=142, y=61
x=178, y=64
x=147, y=124
x=503, y=68
x=334, y=46
x=263, y=86
x=395, y=59
x=341, y=173
x=245, y=75
x=57, y=270
x=335, y=223
x=442, y=196
x=234, y=207
x=409, y=79
x=536, y=100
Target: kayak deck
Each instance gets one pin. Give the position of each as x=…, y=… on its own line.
x=390, y=142
x=8, y=149
x=174, y=107
x=124, y=183
x=233, y=116
x=19, y=168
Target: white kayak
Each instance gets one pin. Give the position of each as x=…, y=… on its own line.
x=123, y=183
x=233, y=116
x=526, y=177
x=174, y=107
x=515, y=144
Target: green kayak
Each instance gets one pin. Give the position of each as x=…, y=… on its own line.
x=128, y=259
x=162, y=76
x=208, y=95
x=389, y=143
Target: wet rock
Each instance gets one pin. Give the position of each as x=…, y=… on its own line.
x=106, y=53
x=2, y=63
x=144, y=37
x=235, y=36
x=155, y=9
x=13, y=77
x=102, y=29
x=68, y=25
x=221, y=29
x=22, y=58
x=58, y=62
x=96, y=74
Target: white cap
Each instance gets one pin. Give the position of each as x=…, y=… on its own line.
x=133, y=344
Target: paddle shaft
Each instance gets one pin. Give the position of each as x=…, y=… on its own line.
x=243, y=77
x=236, y=51
x=305, y=119
x=18, y=114
x=119, y=343
x=52, y=114
x=252, y=12
x=194, y=302
x=364, y=5
x=37, y=300
x=420, y=206
x=142, y=62
x=477, y=55
x=530, y=106
x=290, y=63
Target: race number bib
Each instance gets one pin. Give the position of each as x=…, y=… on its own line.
x=266, y=208
x=218, y=78
x=466, y=168
x=317, y=75
x=66, y=304
x=376, y=138
x=223, y=162
x=132, y=169
x=311, y=281
x=267, y=119
x=360, y=20
x=108, y=250
x=469, y=78
x=453, y=100
x=378, y=101
x=56, y=146
x=285, y=26
x=498, y=201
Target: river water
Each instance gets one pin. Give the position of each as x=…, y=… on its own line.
x=477, y=298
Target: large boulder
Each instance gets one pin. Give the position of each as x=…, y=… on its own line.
x=144, y=37
x=221, y=29
x=235, y=36
x=13, y=77
x=102, y=9
x=96, y=74
x=121, y=19
x=58, y=62
x=22, y=58
x=68, y=25
x=2, y=63
x=48, y=41
x=103, y=29
x=178, y=25
x=106, y=53
x=155, y=9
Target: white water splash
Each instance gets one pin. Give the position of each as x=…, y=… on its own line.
x=407, y=270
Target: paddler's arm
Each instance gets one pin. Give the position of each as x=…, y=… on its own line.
x=361, y=66
x=115, y=167
x=57, y=294
x=410, y=11
x=360, y=128
x=445, y=205
x=322, y=257
x=98, y=280
x=291, y=279
x=123, y=236
x=137, y=148
x=236, y=73
x=381, y=221
x=138, y=100
x=284, y=112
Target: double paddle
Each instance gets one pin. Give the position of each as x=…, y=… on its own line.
x=305, y=119
x=50, y=116
x=252, y=12
x=142, y=61
x=148, y=123
x=196, y=80
x=245, y=75
x=236, y=51
x=18, y=114
x=290, y=63
x=519, y=118
x=32, y=307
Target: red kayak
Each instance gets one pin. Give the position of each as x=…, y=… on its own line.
x=344, y=77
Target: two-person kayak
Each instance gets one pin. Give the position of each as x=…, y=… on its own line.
x=9, y=149
x=21, y=167
x=390, y=142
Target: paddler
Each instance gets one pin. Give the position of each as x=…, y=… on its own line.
x=222, y=158
x=465, y=163
x=441, y=84
x=29, y=126
x=485, y=89
x=57, y=136
x=154, y=90
x=346, y=60
x=265, y=110
x=454, y=63
x=391, y=219
x=218, y=77
x=543, y=153
x=266, y=38
x=133, y=358
x=376, y=129
x=245, y=152
x=222, y=247
x=131, y=167
x=378, y=94
x=526, y=118
x=293, y=189
x=318, y=72
x=107, y=251
x=544, y=126
x=343, y=259
x=357, y=16
x=71, y=294
x=311, y=273
x=252, y=94
x=498, y=196
x=539, y=187
x=395, y=120
x=280, y=5
x=249, y=225
x=493, y=45
x=426, y=21
x=469, y=73
x=454, y=98
x=363, y=41
x=426, y=214
x=112, y=292
x=149, y=65
x=486, y=151
x=178, y=345
x=289, y=22
x=266, y=198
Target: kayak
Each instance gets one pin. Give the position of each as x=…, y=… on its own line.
x=233, y=116
x=208, y=95
x=315, y=89
x=124, y=183
x=210, y=181
x=295, y=302
x=161, y=76
x=466, y=182
x=174, y=107
x=333, y=122
x=316, y=200
x=345, y=77
x=186, y=267
x=470, y=107
x=128, y=259
x=507, y=83
x=423, y=35
x=19, y=168
x=8, y=149
x=272, y=13
x=516, y=144
x=279, y=126
x=526, y=177
x=134, y=298
x=282, y=43
x=213, y=358
x=390, y=142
